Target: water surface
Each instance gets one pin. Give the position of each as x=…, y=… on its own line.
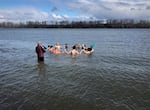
x=115, y=77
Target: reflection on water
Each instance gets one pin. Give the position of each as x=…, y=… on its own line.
x=42, y=70
x=73, y=59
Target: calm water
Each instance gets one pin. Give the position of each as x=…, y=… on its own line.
x=115, y=77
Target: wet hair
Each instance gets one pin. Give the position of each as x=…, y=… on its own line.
x=50, y=46
x=89, y=49
x=74, y=47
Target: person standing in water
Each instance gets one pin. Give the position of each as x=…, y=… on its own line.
x=40, y=50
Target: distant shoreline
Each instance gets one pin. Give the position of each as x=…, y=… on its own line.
x=64, y=27
x=79, y=24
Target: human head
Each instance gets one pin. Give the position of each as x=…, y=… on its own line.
x=39, y=43
x=74, y=47
x=57, y=43
x=51, y=46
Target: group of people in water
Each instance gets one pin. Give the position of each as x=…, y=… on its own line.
x=58, y=49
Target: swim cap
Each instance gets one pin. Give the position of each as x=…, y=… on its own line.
x=92, y=45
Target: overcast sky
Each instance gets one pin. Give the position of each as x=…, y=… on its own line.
x=41, y=10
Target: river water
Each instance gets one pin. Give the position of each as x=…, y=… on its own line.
x=115, y=77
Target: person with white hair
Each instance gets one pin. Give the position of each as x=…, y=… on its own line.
x=40, y=50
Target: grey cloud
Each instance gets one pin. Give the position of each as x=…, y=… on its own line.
x=135, y=1
x=55, y=9
x=110, y=9
x=140, y=4
x=27, y=14
x=136, y=9
x=104, y=7
x=122, y=3
x=148, y=7
x=107, y=9
x=132, y=9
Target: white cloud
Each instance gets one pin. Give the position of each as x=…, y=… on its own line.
x=23, y=14
x=81, y=18
x=32, y=14
x=56, y=17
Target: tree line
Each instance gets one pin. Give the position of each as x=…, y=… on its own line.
x=112, y=23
